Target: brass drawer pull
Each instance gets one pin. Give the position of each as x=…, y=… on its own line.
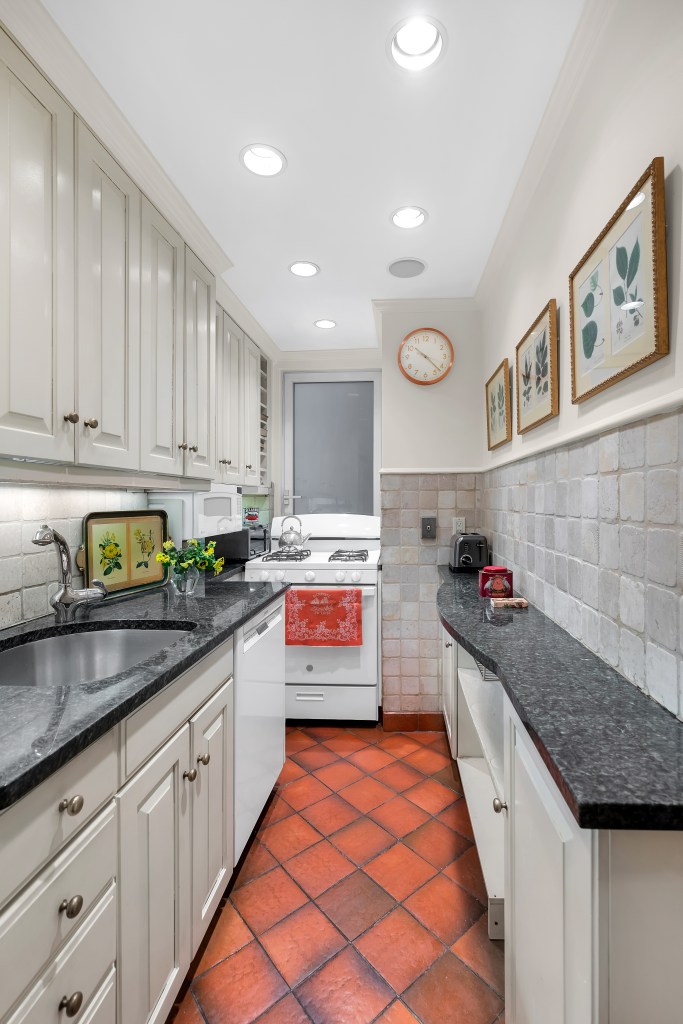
x=194, y=447
x=92, y=422
x=71, y=1004
x=190, y=775
x=72, y=907
x=498, y=805
x=72, y=805
x=183, y=446
x=71, y=417
x=203, y=759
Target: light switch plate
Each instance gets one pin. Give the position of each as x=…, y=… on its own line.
x=458, y=524
x=428, y=528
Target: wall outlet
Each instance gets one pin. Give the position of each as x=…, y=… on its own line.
x=458, y=524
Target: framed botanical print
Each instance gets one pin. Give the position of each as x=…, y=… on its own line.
x=121, y=549
x=536, y=371
x=618, y=293
x=498, y=416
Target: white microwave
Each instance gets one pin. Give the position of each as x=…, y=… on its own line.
x=200, y=513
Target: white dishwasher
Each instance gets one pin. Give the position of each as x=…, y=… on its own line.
x=259, y=716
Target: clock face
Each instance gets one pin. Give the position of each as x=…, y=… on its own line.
x=425, y=356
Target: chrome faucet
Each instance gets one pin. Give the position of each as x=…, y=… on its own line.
x=66, y=600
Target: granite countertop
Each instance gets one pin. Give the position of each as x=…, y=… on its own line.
x=40, y=730
x=615, y=754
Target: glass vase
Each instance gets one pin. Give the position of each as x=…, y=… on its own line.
x=185, y=582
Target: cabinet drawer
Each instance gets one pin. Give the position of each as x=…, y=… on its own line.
x=34, y=829
x=102, y=1007
x=81, y=966
x=33, y=927
x=346, y=702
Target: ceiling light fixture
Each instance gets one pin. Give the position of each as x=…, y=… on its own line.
x=304, y=268
x=408, y=267
x=325, y=325
x=409, y=217
x=416, y=43
x=263, y=160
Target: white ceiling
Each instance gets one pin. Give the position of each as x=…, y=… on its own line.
x=200, y=79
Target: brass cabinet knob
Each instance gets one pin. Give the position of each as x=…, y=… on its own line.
x=225, y=462
x=72, y=805
x=92, y=422
x=71, y=1004
x=249, y=466
x=183, y=446
x=194, y=448
x=190, y=775
x=72, y=907
x=203, y=759
x=448, y=643
x=498, y=805
x=71, y=417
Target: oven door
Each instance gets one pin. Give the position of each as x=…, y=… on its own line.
x=339, y=666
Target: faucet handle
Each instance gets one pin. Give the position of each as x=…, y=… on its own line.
x=99, y=585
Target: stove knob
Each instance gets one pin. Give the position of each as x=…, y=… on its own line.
x=309, y=576
x=340, y=576
x=264, y=574
x=280, y=574
x=355, y=576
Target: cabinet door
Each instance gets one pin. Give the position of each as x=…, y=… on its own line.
x=108, y=309
x=211, y=740
x=200, y=369
x=154, y=816
x=448, y=684
x=161, y=344
x=36, y=263
x=549, y=930
x=229, y=399
x=251, y=364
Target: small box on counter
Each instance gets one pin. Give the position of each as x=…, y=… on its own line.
x=495, y=581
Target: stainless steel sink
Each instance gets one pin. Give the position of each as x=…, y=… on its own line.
x=74, y=658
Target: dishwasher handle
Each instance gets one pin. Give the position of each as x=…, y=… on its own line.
x=264, y=627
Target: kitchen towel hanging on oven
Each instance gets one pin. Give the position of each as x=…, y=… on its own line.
x=330, y=617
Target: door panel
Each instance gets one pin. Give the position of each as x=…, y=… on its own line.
x=251, y=417
x=230, y=399
x=200, y=368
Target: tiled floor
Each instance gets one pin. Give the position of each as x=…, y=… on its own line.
x=360, y=899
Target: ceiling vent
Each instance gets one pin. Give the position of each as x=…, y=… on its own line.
x=406, y=268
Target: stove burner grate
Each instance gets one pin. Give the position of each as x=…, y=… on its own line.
x=288, y=554
x=348, y=556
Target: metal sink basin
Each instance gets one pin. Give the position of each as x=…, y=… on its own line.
x=74, y=658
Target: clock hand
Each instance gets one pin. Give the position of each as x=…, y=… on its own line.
x=427, y=357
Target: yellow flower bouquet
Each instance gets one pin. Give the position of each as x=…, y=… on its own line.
x=186, y=563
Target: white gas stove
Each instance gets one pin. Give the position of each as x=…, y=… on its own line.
x=339, y=551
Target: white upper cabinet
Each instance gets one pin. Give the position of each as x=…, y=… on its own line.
x=229, y=341
x=108, y=309
x=200, y=369
x=251, y=380
x=36, y=263
x=161, y=345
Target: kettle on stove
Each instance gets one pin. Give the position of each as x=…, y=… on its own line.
x=469, y=552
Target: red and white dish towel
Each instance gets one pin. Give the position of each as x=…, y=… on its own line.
x=330, y=617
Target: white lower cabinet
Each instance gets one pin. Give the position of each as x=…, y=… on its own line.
x=448, y=669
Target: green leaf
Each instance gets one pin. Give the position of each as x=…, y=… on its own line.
x=594, y=280
x=589, y=336
x=622, y=261
x=588, y=304
x=633, y=264
x=107, y=571
x=618, y=296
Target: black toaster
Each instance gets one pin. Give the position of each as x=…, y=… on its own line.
x=469, y=552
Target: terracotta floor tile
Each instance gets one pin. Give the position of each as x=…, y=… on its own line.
x=435, y=842
x=322, y=732
x=315, y=757
x=398, y=775
x=304, y=792
x=397, y=1014
x=301, y=943
x=369, y=733
x=399, y=816
x=268, y=899
x=289, y=837
x=345, y=744
x=290, y=772
x=466, y=871
x=330, y=814
x=371, y=759
x=450, y=777
x=441, y=744
x=257, y=862
x=287, y=1011
x=339, y=774
x=366, y=794
x=457, y=816
x=448, y=983
x=239, y=988
x=399, y=871
x=229, y=934
x=277, y=810
x=399, y=949
x=355, y=904
x=319, y=868
x=483, y=955
x=362, y=840
x=345, y=991
x=188, y=1011
x=424, y=736
x=399, y=745
x=429, y=795
x=297, y=741
x=444, y=908
x=425, y=759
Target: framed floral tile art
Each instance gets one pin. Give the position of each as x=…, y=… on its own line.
x=498, y=413
x=536, y=371
x=121, y=549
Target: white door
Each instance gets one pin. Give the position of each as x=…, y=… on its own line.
x=229, y=340
x=154, y=817
x=108, y=309
x=251, y=418
x=36, y=263
x=161, y=345
x=200, y=369
x=211, y=744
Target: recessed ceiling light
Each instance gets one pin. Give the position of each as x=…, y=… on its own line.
x=304, y=268
x=406, y=267
x=409, y=217
x=325, y=325
x=638, y=198
x=263, y=160
x=417, y=43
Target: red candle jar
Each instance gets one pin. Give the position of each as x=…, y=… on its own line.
x=495, y=581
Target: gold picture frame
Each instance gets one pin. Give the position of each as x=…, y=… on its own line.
x=536, y=382
x=121, y=549
x=498, y=412
x=618, y=315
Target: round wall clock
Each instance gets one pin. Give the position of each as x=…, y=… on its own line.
x=425, y=356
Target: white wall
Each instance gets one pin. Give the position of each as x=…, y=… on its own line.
x=616, y=106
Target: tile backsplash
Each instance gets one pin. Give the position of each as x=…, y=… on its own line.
x=28, y=574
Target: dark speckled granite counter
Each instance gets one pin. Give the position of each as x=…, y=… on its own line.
x=616, y=755
x=40, y=730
